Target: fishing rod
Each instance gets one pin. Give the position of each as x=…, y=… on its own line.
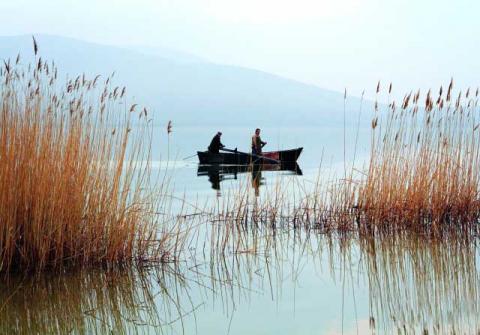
x=189, y=157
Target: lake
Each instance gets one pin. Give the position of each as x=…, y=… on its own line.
x=279, y=281
x=323, y=149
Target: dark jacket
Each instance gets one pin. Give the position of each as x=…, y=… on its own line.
x=257, y=144
x=215, y=145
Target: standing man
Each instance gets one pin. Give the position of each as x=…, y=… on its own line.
x=216, y=144
x=257, y=143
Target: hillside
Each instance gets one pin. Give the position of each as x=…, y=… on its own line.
x=189, y=90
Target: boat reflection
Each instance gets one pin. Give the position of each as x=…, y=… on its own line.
x=218, y=173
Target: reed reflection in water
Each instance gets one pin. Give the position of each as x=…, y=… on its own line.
x=423, y=283
x=91, y=302
x=415, y=282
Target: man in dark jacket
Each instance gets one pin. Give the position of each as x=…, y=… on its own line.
x=216, y=144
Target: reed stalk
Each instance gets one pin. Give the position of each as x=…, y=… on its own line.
x=75, y=179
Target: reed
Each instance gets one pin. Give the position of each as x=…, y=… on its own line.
x=76, y=181
x=425, y=160
x=423, y=170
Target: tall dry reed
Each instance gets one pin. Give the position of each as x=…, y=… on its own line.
x=75, y=178
x=424, y=169
x=425, y=161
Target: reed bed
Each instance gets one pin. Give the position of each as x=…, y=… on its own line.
x=76, y=183
x=425, y=160
x=423, y=169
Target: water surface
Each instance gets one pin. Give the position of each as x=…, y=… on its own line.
x=259, y=280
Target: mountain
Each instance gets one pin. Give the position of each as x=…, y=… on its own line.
x=188, y=89
x=178, y=56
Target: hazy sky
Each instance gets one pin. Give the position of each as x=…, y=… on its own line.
x=333, y=44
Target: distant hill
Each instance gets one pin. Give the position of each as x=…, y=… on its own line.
x=189, y=90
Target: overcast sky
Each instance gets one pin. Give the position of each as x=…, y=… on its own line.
x=333, y=44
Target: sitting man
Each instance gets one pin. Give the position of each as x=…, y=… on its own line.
x=216, y=144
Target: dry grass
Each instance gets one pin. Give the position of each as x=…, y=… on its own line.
x=75, y=179
x=424, y=170
x=77, y=185
x=425, y=160
x=77, y=191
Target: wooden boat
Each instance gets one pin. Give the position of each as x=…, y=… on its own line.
x=233, y=157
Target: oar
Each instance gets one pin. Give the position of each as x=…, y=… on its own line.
x=271, y=160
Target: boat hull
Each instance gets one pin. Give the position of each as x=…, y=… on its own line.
x=240, y=158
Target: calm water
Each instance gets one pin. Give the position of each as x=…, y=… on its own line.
x=299, y=284
x=278, y=281
x=323, y=151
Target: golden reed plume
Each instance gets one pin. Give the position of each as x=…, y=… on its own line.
x=71, y=173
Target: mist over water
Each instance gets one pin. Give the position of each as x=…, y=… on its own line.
x=375, y=231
